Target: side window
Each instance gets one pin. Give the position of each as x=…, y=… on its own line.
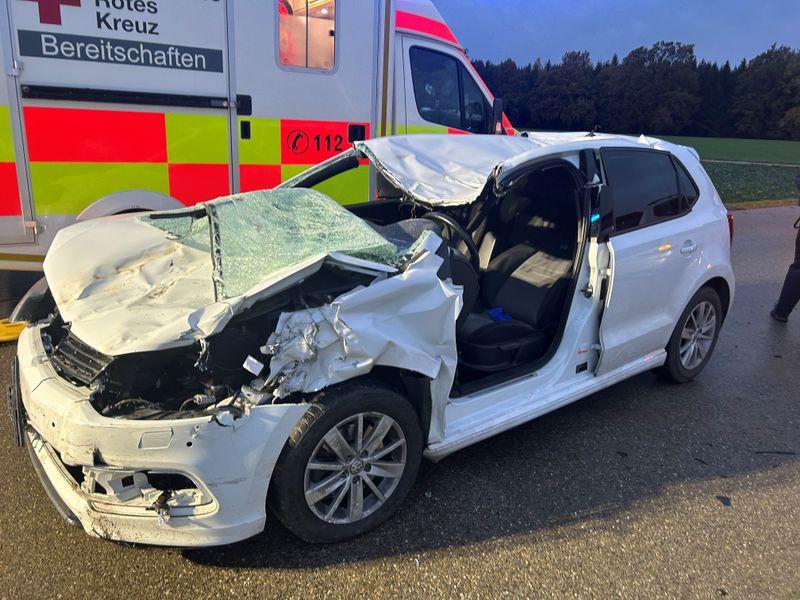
x=307, y=31
x=644, y=187
x=436, y=87
x=686, y=183
x=446, y=93
x=475, y=109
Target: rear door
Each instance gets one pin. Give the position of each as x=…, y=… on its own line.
x=654, y=253
x=119, y=96
x=306, y=78
x=15, y=208
x=441, y=94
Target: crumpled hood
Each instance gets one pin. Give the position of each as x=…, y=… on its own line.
x=126, y=285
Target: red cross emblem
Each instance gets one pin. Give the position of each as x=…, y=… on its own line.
x=50, y=10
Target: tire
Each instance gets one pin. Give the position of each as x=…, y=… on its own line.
x=337, y=409
x=682, y=368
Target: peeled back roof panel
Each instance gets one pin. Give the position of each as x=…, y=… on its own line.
x=442, y=170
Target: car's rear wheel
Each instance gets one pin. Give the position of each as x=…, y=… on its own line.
x=348, y=464
x=694, y=338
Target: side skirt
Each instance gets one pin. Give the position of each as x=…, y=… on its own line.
x=526, y=407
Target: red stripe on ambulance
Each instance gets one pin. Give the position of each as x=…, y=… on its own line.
x=9, y=191
x=425, y=26
x=83, y=135
x=258, y=177
x=191, y=184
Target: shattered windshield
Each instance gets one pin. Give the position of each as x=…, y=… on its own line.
x=256, y=234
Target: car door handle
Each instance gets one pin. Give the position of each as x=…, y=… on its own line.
x=688, y=248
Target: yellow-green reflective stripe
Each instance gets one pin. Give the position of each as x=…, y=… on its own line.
x=197, y=139
x=264, y=145
x=68, y=188
x=422, y=129
x=350, y=187
x=6, y=139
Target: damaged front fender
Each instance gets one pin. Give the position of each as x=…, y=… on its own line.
x=406, y=321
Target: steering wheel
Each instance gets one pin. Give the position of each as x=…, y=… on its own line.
x=455, y=228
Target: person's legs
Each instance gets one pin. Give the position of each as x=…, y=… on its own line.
x=790, y=294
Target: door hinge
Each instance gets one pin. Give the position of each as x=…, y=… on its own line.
x=588, y=290
x=16, y=68
x=32, y=225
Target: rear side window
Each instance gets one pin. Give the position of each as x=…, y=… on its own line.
x=646, y=187
x=445, y=93
x=686, y=184
x=307, y=33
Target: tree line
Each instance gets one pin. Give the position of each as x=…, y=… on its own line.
x=662, y=89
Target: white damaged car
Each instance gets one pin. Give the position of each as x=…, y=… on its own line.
x=186, y=371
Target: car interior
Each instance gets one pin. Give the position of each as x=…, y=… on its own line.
x=515, y=257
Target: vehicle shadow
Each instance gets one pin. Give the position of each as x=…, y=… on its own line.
x=593, y=459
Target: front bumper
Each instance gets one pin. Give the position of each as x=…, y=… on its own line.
x=230, y=466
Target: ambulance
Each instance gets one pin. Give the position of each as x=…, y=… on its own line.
x=117, y=106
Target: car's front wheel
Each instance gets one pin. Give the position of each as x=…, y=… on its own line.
x=694, y=338
x=348, y=464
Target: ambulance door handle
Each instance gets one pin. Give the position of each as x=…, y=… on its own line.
x=244, y=130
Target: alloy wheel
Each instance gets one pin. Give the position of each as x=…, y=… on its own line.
x=354, y=469
x=697, y=336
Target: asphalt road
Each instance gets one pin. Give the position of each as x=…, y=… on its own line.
x=643, y=490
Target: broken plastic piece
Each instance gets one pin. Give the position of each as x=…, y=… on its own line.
x=224, y=418
x=253, y=365
x=161, y=506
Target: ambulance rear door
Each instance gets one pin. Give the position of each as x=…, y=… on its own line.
x=307, y=87
x=121, y=95
x=15, y=207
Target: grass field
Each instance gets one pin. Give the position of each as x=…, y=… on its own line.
x=752, y=181
x=747, y=182
x=769, y=151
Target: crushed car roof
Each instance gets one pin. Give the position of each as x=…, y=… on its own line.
x=452, y=170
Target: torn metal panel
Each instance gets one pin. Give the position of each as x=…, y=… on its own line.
x=406, y=321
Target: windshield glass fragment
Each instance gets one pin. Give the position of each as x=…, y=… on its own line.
x=257, y=234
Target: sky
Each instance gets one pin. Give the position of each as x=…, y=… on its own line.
x=526, y=29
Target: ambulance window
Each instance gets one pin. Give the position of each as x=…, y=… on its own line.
x=476, y=109
x=436, y=86
x=307, y=33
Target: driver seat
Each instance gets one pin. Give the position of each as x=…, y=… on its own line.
x=523, y=289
